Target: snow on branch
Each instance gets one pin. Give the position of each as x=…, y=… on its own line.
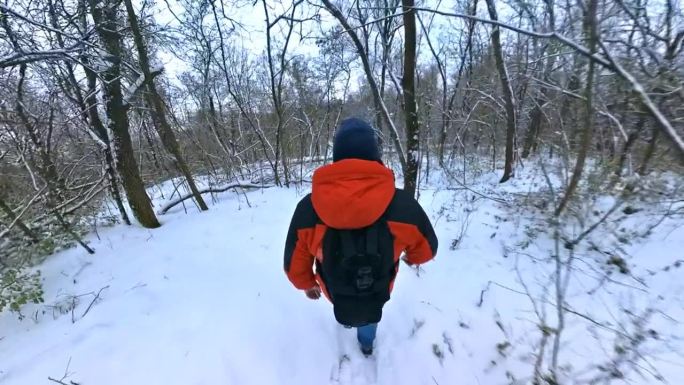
x=10, y=11
x=584, y=51
x=211, y=190
x=139, y=83
x=605, y=60
x=638, y=88
x=34, y=56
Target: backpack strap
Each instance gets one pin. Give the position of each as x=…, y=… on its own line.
x=348, y=244
x=372, y=240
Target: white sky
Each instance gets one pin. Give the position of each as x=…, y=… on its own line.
x=253, y=36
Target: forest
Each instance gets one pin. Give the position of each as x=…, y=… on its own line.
x=104, y=101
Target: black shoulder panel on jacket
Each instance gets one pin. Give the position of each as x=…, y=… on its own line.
x=404, y=208
x=303, y=217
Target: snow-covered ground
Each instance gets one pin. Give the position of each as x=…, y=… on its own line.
x=204, y=300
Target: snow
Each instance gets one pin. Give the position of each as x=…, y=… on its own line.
x=204, y=300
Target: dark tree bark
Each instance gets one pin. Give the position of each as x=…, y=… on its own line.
x=409, y=90
x=534, y=127
x=105, y=16
x=508, y=95
x=166, y=134
x=650, y=151
x=631, y=139
x=98, y=128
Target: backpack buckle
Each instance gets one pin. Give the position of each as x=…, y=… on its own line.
x=364, y=278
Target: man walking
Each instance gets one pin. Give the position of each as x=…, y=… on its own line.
x=346, y=238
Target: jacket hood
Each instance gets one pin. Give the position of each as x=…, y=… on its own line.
x=352, y=193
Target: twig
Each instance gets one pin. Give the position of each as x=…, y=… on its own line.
x=57, y=381
x=486, y=289
x=65, y=376
x=482, y=293
x=73, y=306
x=450, y=175
x=97, y=296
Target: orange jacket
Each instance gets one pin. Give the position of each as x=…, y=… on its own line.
x=352, y=194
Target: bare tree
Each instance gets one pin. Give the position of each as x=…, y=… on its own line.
x=409, y=88
x=276, y=81
x=508, y=95
x=105, y=15
x=363, y=55
x=590, y=29
x=158, y=112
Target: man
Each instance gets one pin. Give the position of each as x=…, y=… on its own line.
x=354, y=227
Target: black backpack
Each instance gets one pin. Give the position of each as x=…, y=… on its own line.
x=357, y=268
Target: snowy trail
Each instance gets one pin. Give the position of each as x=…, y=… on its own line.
x=204, y=300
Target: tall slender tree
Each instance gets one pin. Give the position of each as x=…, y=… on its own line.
x=158, y=110
x=507, y=90
x=408, y=85
x=106, y=17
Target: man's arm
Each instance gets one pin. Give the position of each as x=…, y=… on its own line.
x=298, y=260
x=424, y=245
x=411, y=225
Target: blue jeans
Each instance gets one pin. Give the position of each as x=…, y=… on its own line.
x=366, y=335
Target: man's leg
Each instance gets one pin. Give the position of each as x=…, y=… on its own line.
x=366, y=336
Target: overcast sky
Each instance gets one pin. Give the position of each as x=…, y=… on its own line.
x=252, y=36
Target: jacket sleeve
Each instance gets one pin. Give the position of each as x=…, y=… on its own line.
x=411, y=225
x=424, y=247
x=298, y=259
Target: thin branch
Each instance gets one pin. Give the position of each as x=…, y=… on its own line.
x=97, y=296
x=542, y=35
x=212, y=190
x=662, y=121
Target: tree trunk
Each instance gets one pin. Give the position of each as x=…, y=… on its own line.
x=650, y=150
x=534, y=128
x=100, y=131
x=409, y=89
x=88, y=106
x=590, y=30
x=535, y=125
x=508, y=95
x=162, y=125
x=631, y=139
x=107, y=26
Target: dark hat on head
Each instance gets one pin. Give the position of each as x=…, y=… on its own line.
x=356, y=139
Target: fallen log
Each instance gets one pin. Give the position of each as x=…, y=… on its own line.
x=210, y=190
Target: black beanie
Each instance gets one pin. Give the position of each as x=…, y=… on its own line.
x=356, y=139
